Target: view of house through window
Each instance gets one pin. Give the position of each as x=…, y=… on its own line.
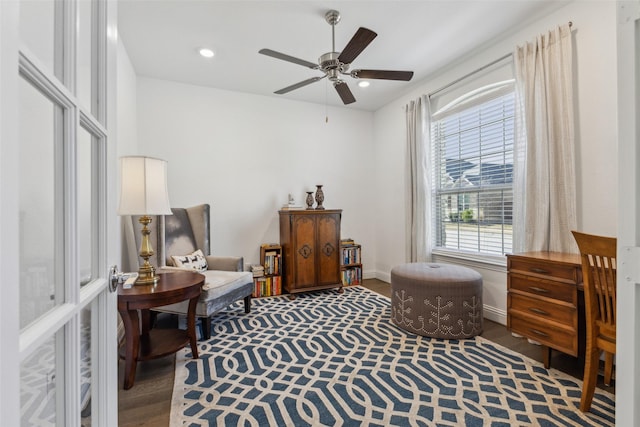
x=472, y=141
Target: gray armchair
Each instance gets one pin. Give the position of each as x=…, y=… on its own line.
x=182, y=233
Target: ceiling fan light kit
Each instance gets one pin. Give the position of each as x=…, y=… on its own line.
x=205, y=52
x=334, y=64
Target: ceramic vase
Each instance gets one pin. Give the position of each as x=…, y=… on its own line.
x=319, y=197
x=309, y=200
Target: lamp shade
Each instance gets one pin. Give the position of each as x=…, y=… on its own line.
x=143, y=186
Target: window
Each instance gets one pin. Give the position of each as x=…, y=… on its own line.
x=472, y=139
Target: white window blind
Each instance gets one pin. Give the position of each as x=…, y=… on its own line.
x=473, y=172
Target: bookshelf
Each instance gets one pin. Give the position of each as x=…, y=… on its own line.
x=267, y=277
x=350, y=262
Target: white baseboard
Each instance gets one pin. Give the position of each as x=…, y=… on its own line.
x=495, y=314
x=369, y=275
x=385, y=277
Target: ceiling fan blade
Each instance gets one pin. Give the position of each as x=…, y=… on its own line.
x=299, y=85
x=356, y=45
x=284, y=57
x=344, y=92
x=382, y=74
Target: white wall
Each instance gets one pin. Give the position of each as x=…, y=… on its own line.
x=127, y=104
x=594, y=29
x=243, y=154
x=127, y=129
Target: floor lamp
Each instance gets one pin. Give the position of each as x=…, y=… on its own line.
x=143, y=191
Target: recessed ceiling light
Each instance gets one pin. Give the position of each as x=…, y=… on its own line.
x=363, y=83
x=207, y=53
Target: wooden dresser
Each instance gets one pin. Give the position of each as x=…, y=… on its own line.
x=310, y=241
x=543, y=300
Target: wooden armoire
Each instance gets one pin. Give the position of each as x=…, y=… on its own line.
x=310, y=241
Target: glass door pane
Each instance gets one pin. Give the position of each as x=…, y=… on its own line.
x=86, y=377
x=42, y=384
x=41, y=249
x=87, y=158
x=38, y=32
x=86, y=56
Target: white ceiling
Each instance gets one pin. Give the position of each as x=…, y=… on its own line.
x=162, y=37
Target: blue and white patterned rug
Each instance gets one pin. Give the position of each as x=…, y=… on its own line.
x=336, y=359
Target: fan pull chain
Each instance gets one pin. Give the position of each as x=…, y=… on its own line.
x=326, y=109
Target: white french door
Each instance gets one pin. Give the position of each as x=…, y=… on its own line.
x=58, y=355
x=628, y=305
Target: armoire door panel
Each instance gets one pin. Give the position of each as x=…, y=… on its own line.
x=304, y=246
x=329, y=257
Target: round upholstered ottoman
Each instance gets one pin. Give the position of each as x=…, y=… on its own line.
x=437, y=300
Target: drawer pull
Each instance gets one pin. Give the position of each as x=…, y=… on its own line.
x=539, y=290
x=539, y=311
x=539, y=270
x=537, y=332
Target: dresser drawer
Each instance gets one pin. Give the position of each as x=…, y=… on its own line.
x=551, y=270
x=545, y=310
x=541, y=287
x=549, y=334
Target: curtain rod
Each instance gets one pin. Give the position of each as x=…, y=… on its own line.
x=448, y=85
x=502, y=58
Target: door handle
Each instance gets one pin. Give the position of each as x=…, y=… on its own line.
x=114, y=278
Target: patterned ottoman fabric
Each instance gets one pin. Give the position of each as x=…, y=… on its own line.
x=437, y=300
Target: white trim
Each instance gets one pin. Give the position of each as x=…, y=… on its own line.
x=91, y=125
x=368, y=274
x=91, y=290
x=9, y=237
x=628, y=310
x=495, y=314
x=107, y=114
x=37, y=74
x=472, y=259
x=71, y=385
x=384, y=276
x=475, y=97
x=45, y=326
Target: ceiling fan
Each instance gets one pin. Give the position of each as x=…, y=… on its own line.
x=334, y=64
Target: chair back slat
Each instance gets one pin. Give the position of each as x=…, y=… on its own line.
x=599, y=268
x=604, y=280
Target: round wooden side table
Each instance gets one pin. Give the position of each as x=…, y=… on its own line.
x=143, y=342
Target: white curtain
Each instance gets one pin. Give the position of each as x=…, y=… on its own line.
x=419, y=158
x=544, y=164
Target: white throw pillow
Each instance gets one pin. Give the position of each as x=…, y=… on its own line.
x=195, y=261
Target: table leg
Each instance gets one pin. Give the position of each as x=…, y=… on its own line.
x=132, y=345
x=191, y=326
x=546, y=356
x=145, y=321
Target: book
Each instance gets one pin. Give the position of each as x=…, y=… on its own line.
x=257, y=270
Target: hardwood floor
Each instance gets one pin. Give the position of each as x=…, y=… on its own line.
x=148, y=402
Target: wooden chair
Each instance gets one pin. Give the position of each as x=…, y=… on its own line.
x=599, y=267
